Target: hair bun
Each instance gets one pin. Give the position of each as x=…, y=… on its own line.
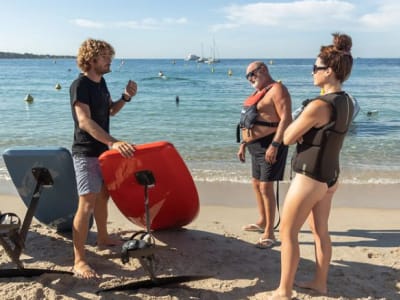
x=342, y=42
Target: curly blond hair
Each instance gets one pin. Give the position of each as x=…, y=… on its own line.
x=90, y=49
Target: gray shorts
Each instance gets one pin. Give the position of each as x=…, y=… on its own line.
x=88, y=175
x=261, y=169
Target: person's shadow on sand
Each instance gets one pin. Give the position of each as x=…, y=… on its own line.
x=361, y=280
x=220, y=257
x=229, y=260
x=46, y=249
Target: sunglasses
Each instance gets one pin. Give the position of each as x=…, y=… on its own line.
x=317, y=68
x=253, y=73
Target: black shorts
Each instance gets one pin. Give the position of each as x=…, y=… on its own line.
x=261, y=169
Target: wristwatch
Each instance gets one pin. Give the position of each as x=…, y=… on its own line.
x=123, y=98
x=275, y=144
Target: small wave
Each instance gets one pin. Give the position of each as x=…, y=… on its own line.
x=215, y=178
x=5, y=177
x=356, y=181
x=4, y=174
x=368, y=128
x=370, y=181
x=165, y=78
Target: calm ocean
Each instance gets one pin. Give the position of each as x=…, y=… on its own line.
x=202, y=127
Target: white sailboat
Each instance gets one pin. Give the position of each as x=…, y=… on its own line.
x=202, y=59
x=213, y=59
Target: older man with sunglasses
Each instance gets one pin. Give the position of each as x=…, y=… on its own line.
x=262, y=136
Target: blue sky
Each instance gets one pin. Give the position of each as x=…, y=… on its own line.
x=175, y=28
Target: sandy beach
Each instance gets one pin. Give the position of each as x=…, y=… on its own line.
x=365, y=232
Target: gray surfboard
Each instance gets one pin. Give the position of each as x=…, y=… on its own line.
x=58, y=202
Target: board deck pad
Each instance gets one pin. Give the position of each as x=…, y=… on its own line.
x=58, y=202
x=173, y=200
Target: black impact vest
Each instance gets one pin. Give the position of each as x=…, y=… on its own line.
x=318, y=155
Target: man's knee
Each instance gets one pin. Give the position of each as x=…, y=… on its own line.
x=255, y=182
x=87, y=203
x=266, y=186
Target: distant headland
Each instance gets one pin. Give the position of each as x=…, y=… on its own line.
x=30, y=55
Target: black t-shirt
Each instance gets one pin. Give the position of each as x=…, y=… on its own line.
x=97, y=97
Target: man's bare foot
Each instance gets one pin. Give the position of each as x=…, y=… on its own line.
x=254, y=227
x=83, y=270
x=313, y=286
x=277, y=296
x=281, y=295
x=109, y=242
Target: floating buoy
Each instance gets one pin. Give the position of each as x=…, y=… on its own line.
x=58, y=86
x=372, y=113
x=230, y=72
x=29, y=98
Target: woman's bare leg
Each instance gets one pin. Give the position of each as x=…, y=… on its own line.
x=302, y=196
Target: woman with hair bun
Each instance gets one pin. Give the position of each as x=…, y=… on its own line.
x=319, y=132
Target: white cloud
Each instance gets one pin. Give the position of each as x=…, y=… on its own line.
x=87, y=23
x=298, y=14
x=387, y=16
x=312, y=15
x=147, y=23
x=175, y=21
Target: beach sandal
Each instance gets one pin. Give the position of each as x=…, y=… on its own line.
x=266, y=243
x=253, y=228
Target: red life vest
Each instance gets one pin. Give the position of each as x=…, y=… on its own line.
x=256, y=96
x=249, y=113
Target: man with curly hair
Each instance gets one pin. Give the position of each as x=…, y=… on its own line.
x=92, y=106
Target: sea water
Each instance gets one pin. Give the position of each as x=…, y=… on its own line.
x=202, y=124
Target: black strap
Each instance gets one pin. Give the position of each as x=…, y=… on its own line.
x=238, y=133
x=268, y=124
x=263, y=123
x=277, y=205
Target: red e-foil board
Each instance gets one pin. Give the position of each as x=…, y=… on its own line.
x=173, y=200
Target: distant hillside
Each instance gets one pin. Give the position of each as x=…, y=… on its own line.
x=30, y=55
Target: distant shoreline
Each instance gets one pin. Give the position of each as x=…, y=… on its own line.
x=31, y=55
x=13, y=55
